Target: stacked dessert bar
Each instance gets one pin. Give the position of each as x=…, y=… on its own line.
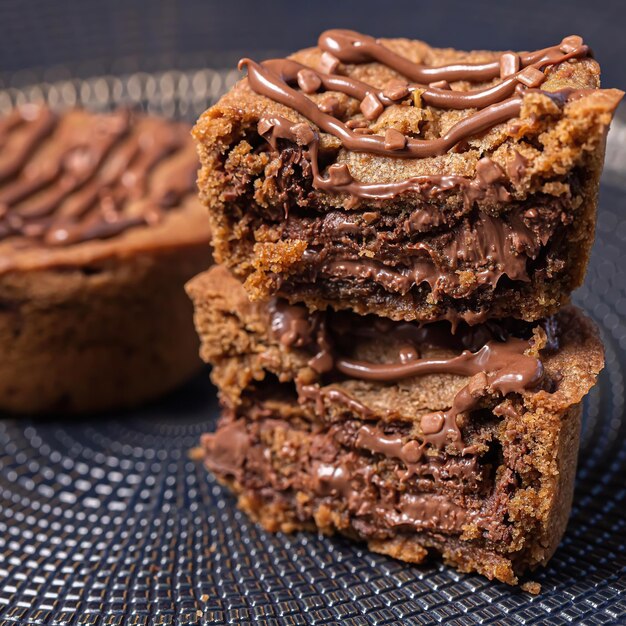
x=399, y=230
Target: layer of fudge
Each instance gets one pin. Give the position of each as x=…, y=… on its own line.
x=386, y=176
x=100, y=228
x=405, y=436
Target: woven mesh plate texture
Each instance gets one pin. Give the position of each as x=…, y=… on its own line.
x=105, y=520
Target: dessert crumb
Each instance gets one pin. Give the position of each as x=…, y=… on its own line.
x=531, y=587
x=196, y=454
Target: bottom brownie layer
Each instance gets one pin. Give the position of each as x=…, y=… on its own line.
x=477, y=511
x=408, y=437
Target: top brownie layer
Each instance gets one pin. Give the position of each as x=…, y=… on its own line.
x=390, y=177
x=79, y=186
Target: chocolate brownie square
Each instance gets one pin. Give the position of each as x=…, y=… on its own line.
x=386, y=176
x=410, y=438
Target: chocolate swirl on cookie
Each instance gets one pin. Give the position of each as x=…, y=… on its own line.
x=289, y=82
x=75, y=177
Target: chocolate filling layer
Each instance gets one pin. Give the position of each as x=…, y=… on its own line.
x=353, y=469
x=477, y=251
x=445, y=253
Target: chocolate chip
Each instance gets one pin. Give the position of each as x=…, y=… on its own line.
x=571, y=43
x=303, y=134
x=412, y=452
x=329, y=105
x=394, y=139
x=339, y=174
x=309, y=81
x=264, y=126
x=531, y=77
x=477, y=385
x=328, y=63
x=371, y=106
x=396, y=90
x=432, y=423
x=516, y=167
x=352, y=124
x=509, y=64
x=488, y=172
x=351, y=202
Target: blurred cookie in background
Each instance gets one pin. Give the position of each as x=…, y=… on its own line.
x=99, y=230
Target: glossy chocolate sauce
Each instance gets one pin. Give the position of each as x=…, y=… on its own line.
x=288, y=82
x=352, y=47
x=485, y=244
x=496, y=362
x=235, y=451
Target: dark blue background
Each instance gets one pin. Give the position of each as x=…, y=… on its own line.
x=96, y=36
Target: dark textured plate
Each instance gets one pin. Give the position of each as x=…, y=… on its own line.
x=105, y=520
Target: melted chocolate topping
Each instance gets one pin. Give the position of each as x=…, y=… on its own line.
x=496, y=362
x=272, y=85
x=497, y=368
x=288, y=82
x=351, y=47
x=65, y=180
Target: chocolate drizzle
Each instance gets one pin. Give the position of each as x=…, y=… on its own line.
x=496, y=363
x=288, y=82
x=351, y=47
x=70, y=178
x=267, y=82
